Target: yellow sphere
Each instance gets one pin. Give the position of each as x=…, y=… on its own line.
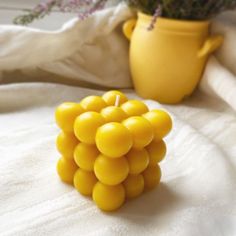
x=108, y=198
x=138, y=160
x=113, y=114
x=84, y=181
x=156, y=151
x=66, y=143
x=66, y=114
x=113, y=139
x=134, y=108
x=93, y=103
x=161, y=123
x=152, y=177
x=111, y=96
x=66, y=170
x=134, y=186
x=86, y=126
x=85, y=156
x=111, y=171
x=141, y=130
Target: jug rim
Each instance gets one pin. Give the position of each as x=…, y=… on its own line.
x=174, y=24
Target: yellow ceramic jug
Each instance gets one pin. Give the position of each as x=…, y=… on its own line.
x=167, y=62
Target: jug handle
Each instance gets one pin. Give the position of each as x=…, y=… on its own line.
x=128, y=28
x=211, y=44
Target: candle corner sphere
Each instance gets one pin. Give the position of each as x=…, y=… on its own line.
x=134, y=108
x=134, y=186
x=66, y=170
x=66, y=114
x=152, y=177
x=141, y=130
x=108, y=198
x=93, y=103
x=86, y=125
x=84, y=181
x=85, y=156
x=161, y=121
x=113, y=139
x=138, y=160
x=111, y=96
x=66, y=143
x=156, y=151
x=113, y=114
x=111, y=171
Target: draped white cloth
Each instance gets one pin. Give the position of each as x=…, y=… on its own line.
x=197, y=195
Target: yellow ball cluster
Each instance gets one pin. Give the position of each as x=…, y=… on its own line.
x=111, y=148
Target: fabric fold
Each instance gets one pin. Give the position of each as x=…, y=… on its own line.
x=219, y=82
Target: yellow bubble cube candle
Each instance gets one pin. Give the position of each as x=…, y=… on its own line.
x=111, y=147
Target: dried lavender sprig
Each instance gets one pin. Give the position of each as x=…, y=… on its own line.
x=83, y=8
x=42, y=9
x=76, y=5
x=157, y=14
x=98, y=5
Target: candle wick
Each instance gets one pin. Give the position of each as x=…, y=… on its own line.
x=117, y=100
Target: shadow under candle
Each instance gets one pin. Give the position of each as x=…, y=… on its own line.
x=158, y=202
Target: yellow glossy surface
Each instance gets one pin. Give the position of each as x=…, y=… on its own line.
x=93, y=103
x=66, y=114
x=86, y=125
x=134, y=186
x=108, y=198
x=113, y=139
x=161, y=122
x=138, y=160
x=84, y=181
x=156, y=151
x=113, y=114
x=66, y=143
x=66, y=170
x=110, y=97
x=171, y=64
x=111, y=171
x=85, y=156
x=134, y=108
x=152, y=177
x=141, y=130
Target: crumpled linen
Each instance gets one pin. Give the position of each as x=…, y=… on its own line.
x=93, y=50
x=197, y=195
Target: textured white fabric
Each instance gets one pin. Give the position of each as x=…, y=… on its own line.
x=197, y=195
x=89, y=50
x=219, y=81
